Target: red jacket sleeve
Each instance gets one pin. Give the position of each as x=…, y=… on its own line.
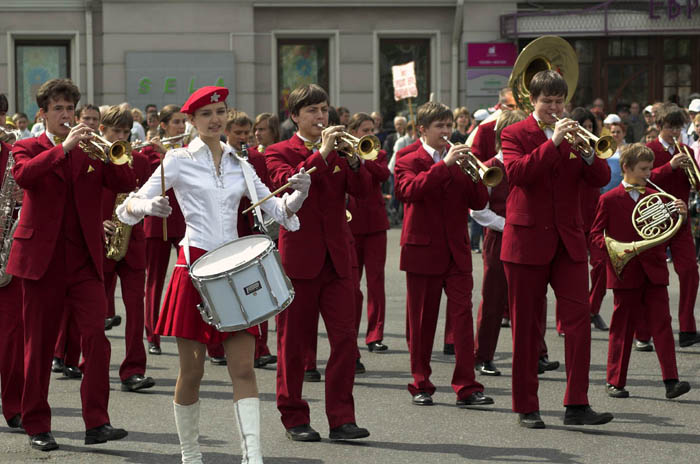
x=30, y=169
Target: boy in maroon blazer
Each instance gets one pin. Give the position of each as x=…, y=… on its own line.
x=58, y=253
x=435, y=254
x=544, y=243
x=641, y=289
x=369, y=225
x=318, y=261
x=11, y=332
x=669, y=174
x=116, y=125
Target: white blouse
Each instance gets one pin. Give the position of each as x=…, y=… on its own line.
x=209, y=202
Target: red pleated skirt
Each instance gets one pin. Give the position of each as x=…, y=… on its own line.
x=179, y=316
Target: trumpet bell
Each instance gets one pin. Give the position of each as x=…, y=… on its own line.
x=120, y=153
x=492, y=177
x=605, y=147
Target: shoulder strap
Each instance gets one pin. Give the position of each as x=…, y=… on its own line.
x=250, y=184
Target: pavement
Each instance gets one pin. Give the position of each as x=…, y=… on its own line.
x=647, y=428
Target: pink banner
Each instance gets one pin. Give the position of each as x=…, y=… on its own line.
x=491, y=54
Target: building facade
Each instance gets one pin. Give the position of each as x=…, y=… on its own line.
x=158, y=51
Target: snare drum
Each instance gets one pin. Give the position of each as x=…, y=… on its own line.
x=242, y=283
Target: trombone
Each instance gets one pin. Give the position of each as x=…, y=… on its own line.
x=174, y=138
x=100, y=148
x=365, y=147
x=692, y=170
x=604, y=147
x=478, y=171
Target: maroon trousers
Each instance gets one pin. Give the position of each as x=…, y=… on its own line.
x=68, y=341
x=652, y=301
x=11, y=348
x=527, y=288
x=70, y=284
x=494, y=299
x=371, y=254
x=422, y=306
x=157, y=259
x=598, y=278
x=331, y=296
x=132, y=284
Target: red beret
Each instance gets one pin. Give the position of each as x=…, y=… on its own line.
x=204, y=96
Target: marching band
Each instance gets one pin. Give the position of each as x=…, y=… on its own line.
x=81, y=205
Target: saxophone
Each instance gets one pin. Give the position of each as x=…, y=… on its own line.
x=8, y=223
x=118, y=243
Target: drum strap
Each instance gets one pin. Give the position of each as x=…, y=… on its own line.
x=250, y=184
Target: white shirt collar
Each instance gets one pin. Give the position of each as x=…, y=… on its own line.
x=499, y=156
x=434, y=154
x=548, y=132
x=50, y=137
x=198, y=146
x=632, y=193
x=670, y=148
x=304, y=139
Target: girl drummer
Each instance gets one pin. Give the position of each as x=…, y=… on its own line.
x=208, y=181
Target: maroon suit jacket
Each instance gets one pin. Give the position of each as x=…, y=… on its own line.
x=672, y=181
x=484, y=144
x=544, y=205
x=136, y=253
x=408, y=149
x=152, y=225
x=614, y=219
x=369, y=213
x=39, y=171
x=246, y=222
x=4, y=155
x=322, y=216
x=438, y=199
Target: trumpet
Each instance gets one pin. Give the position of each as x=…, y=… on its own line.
x=100, y=148
x=604, y=147
x=366, y=147
x=9, y=136
x=654, y=221
x=477, y=170
x=692, y=170
x=174, y=138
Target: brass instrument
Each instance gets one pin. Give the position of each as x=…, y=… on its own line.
x=9, y=136
x=170, y=140
x=654, y=221
x=478, y=171
x=603, y=147
x=366, y=147
x=8, y=203
x=118, y=243
x=117, y=153
x=692, y=170
x=544, y=53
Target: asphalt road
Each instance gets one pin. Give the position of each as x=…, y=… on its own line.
x=647, y=427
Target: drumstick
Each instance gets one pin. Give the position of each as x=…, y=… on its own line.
x=279, y=190
x=162, y=192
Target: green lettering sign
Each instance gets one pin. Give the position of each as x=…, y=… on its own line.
x=191, y=89
x=220, y=82
x=169, y=85
x=145, y=85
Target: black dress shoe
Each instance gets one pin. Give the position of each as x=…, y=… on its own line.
x=43, y=442
x=218, y=361
x=15, y=421
x=422, y=399
x=359, y=367
x=57, y=365
x=303, y=433
x=544, y=364
x=377, y=346
x=688, y=338
x=505, y=322
x=487, y=368
x=154, y=349
x=598, y=322
x=584, y=415
x=615, y=392
x=449, y=348
x=349, y=431
x=103, y=434
x=642, y=345
x=531, y=420
x=72, y=372
x=137, y=382
x=312, y=375
x=674, y=388
x=475, y=399
x=114, y=321
x=264, y=360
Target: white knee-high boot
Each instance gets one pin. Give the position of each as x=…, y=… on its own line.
x=248, y=419
x=187, y=423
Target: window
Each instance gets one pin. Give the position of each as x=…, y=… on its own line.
x=399, y=51
x=677, y=71
x=300, y=62
x=584, y=87
x=35, y=63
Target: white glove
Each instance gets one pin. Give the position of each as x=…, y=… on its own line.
x=156, y=206
x=301, y=182
x=295, y=200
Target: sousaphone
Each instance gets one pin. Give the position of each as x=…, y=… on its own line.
x=544, y=53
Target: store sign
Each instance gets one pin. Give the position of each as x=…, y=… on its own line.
x=671, y=9
x=491, y=54
x=165, y=78
x=487, y=82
